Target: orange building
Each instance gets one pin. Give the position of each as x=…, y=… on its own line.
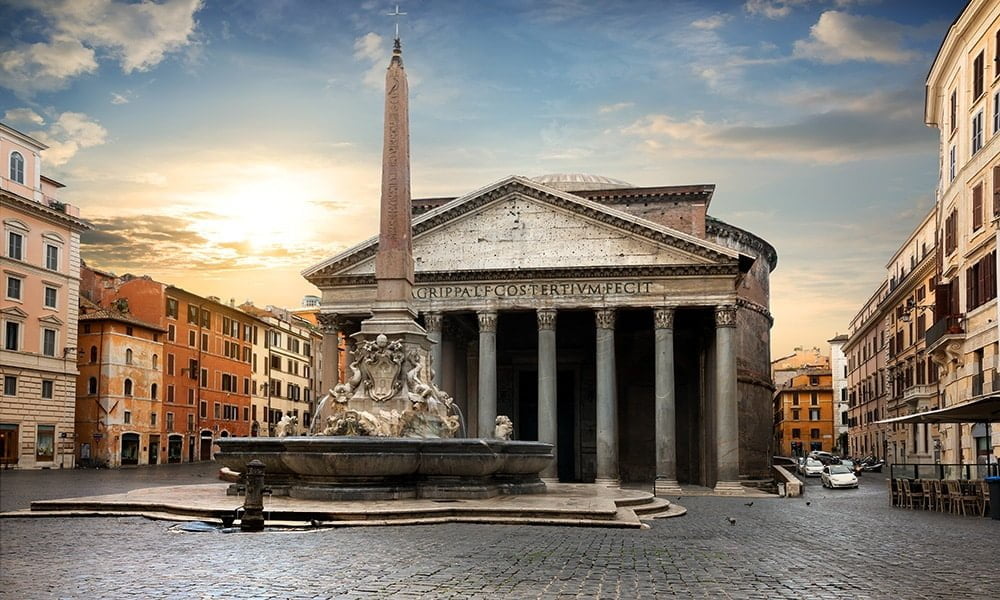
x=803, y=414
x=208, y=355
x=119, y=389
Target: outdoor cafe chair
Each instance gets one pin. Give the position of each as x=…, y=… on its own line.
x=943, y=498
x=895, y=494
x=985, y=495
x=929, y=497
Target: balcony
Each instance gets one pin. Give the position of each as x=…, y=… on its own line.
x=945, y=329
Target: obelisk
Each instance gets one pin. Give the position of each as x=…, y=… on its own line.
x=392, y=313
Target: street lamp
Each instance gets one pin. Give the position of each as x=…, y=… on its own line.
x=910, y=307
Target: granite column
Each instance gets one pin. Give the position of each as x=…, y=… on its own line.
x=547, y=408
x=607, y=399
x=487, y=373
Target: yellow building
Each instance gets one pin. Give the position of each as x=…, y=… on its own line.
x=38, y=310
x=963, y=103
x=804, y=414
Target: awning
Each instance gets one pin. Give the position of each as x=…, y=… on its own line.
x=980, y=410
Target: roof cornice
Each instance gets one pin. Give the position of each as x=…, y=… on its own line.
x=39, y=209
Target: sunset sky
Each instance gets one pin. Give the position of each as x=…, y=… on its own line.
x=224, y=146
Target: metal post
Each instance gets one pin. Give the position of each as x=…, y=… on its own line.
x=253, y=504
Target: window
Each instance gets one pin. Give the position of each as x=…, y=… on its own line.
x=977, y=132
x=795, y=414
x=813, y=398
x=996, y=113
x=980, y=281
x=129, y=331
x=204, y=342
x=218, y=410
x=954, y=110
x=190, y=422
x=50, y=297
x=48, y=387
x=977, y=207
x=191, y=338
x=170, y=393
x=951, y=233
x=977, y=77
x=153, y=392
x=152, y=419
x=276, y=362
x=93, y=354
x=49, y=342
x=9, y=385
x=128, y=356
x=170, y=421
x=204, y=378
x=171, y=333
x=172, y=308
x=170, y=364
x=51, y=257
x=156, y=361
x=14, y=287
x=203, y=409
x=952, y=162
x=127, y=418
x=814, y=414
x=796, y=433
x=128, y=387
x=45, y=443
x=795, y=398
x=92, y=386
x=996, y=191
x=17, y=167
x=206, y=318
x=192, y=314
x=190, y=396
x=15, y=245
x=814, y=434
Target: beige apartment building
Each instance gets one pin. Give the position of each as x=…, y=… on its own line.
x=866, y=380
x=912, y=375
x=963, y=103
x=285, y=369
x=40, y=264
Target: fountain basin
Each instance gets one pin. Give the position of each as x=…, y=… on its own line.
x=382, y=468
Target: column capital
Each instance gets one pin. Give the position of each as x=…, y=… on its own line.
x=663, y=318
x=725, y=315
x=329, y=322
x=546, y=318
x=432, y=321
x=605, y=318
x=487, y=321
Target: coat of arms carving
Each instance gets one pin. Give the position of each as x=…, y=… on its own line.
x=382, y=365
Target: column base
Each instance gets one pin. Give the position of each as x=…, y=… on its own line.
x=608, y=482
x=666, y=487
x=549, y=480
x=728, y=488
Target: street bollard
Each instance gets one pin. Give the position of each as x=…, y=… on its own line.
x=253, y=505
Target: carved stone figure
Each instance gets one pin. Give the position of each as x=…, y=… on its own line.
x=504, y=428
x=288, y=425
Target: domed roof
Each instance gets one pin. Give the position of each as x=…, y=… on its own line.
x=569, y=182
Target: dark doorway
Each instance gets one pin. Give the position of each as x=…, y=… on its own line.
x=527, y=404
x=206, y=446
x=8, y=444
x=175, y=445
x=154, y=449
x=634, y=365
x=691, y=328
x=566, y=441
x=191, y=449
x=130, y=448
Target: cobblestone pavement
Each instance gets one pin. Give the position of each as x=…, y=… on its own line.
x=843, y=544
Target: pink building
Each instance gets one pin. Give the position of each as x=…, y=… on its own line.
x=40, y=279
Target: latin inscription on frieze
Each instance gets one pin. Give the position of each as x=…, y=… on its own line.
x=527, y=290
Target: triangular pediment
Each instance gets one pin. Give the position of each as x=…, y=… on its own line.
x=520, y=224
x=50, y=319
x=13, y=312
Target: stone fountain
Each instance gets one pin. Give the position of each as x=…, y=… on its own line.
x=389, y=432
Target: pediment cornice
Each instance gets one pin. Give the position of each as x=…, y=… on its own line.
x=519, y=185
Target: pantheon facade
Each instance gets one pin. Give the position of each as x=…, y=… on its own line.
x=620, y=323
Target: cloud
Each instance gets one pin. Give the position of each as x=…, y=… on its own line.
x=22, y=116
x=371, y=48
x=712, y=22
x=771, y=9
x=880, y=124
x=44, y=66
x=138, y=35
x=839, y=37
x=610, y=108
x=117, y=98
x=70, y=132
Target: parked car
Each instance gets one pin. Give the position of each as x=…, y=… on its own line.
x=824, y=457
x=838, y=476
x=811, y=467
x=855, y=467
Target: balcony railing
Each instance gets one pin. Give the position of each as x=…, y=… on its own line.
x=950, y=325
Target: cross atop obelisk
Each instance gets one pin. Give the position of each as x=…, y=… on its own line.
x=392, y=312
x=396, y=14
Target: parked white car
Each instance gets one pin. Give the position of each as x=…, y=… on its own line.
x=838, y=476
x=811, y=467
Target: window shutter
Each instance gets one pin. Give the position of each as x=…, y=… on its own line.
x=970, y=289
x=996, y=189
x=942, y=293
x=977, y=207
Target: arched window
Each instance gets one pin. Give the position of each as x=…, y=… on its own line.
x=17, y=167
x=93, y=354
x=128, y=387
x=152, y=392
x=156, y=361
x=92, y=385
x=128, y=356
